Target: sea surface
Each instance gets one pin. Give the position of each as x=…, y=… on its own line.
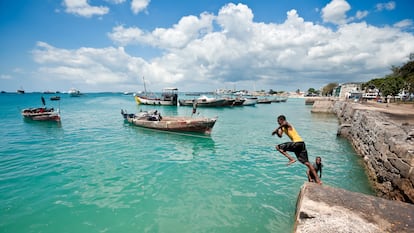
x=95, y=173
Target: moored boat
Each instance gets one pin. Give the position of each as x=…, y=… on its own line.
x=264, y=101
x=41, y=113
x=74, y=92
x=250, y=101
x=169, y=96
x=239, y=102
x=154, y=120
x=279, y=99
x=204, y=101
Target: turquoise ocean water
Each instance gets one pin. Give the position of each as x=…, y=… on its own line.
x=95, y=173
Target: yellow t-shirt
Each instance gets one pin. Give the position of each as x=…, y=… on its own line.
x=292, y=134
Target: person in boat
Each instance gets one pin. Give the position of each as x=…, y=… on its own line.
x=318, y=168
x=297, y=145
x=155, y=116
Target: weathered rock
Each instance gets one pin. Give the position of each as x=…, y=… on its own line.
x=321, y=209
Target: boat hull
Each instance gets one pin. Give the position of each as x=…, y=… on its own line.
x=201, y=103
x=41, y=114
x=154, y=101
x=250, y=101
x=176, y=124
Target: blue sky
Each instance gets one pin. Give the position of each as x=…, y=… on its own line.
x=109, y=45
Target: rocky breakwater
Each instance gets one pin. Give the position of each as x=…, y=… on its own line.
x=384, y=135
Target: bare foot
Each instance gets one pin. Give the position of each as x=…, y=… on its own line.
x=290, y=162
x=319, y=182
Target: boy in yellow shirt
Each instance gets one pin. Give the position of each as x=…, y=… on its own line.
x=297, y=145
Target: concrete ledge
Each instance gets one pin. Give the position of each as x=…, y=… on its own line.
x=321, y=208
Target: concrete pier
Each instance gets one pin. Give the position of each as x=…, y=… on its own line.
x=321, y=208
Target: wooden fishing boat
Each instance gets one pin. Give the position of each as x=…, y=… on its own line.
x=53, y=98
x=154, y=120
x=169, y=96
x=41, y=113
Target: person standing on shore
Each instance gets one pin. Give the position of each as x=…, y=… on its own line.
x=318, y=169
x=297, y=145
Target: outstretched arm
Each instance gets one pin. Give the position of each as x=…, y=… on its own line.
x=278, y=131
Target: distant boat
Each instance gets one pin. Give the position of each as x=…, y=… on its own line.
x=74, y=92
x=279, y=99
x=238, y=102
x=154, y=120
x=204, y=101
x=41, y=113
x=20, y=91
x=55, y=98
x=169, y=96
x=250, y=101
x=264, y=101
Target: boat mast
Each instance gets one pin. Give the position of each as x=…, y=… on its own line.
x=145, y=88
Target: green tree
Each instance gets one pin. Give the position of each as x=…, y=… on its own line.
x=391, y=85
x=328, y=89
x=401, y=78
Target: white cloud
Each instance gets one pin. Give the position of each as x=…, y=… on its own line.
x=385, y=6
x=104, y=66
x=361, y=14
x=139, y=5
x=404, y=23
x=335, y=12
x=5, y=76
x=82, y=8
x=238, y=51
x=187, y=29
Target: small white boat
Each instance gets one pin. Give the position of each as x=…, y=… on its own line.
x=154, y=120
x=204, y=101
x=250, y=101
x=74, y=92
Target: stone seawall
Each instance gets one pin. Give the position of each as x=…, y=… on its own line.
x=386, y=144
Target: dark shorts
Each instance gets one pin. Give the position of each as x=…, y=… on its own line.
x=298, y=148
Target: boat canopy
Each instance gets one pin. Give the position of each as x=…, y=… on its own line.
x=170, y=89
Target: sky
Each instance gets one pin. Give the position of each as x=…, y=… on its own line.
x=203, y=45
